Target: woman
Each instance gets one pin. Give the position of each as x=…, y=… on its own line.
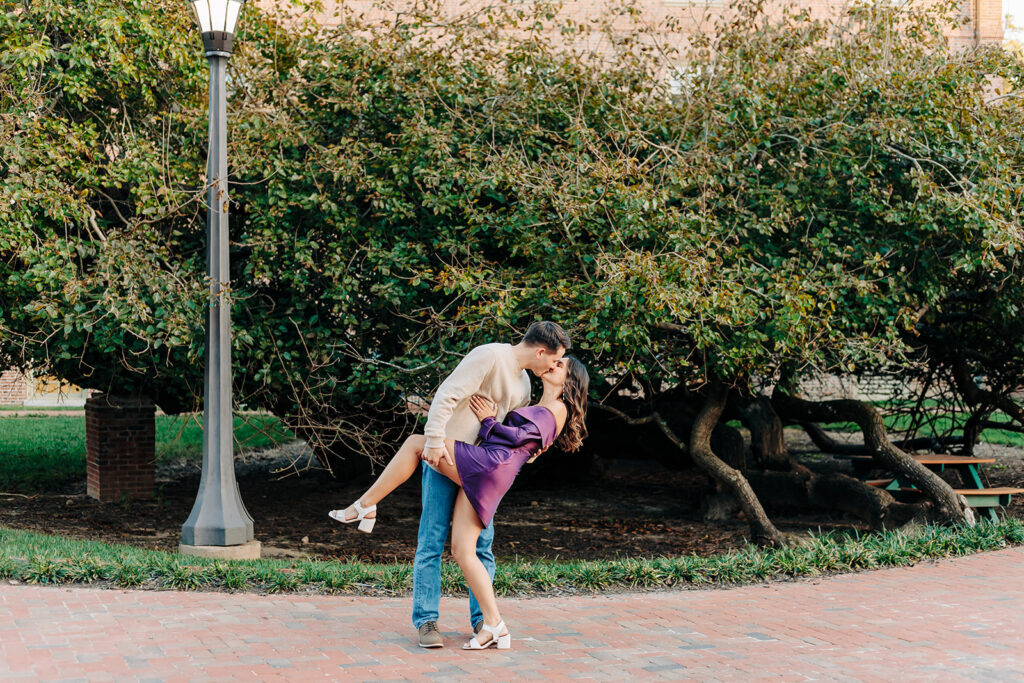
x=485, y=472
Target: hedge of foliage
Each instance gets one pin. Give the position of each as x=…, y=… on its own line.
x=807, y=195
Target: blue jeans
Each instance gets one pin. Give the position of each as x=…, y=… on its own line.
x=439, y=494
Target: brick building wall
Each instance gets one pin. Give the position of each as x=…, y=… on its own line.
x=13, y=388
x=984, y=17
x=33, y=390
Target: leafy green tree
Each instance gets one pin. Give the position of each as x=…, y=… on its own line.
x=818, y=188
x=101, y=129
x=814, y=196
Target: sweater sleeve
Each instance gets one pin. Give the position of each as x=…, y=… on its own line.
x=516, y=435
x=464, y=381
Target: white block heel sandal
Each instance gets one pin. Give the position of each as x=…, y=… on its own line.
x=365, y=523
x=502, y=642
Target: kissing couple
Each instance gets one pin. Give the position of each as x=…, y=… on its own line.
x=480, y=431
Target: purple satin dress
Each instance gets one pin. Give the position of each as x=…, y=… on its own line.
x=487, y=470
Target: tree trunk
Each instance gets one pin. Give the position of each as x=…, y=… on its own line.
x=834, y=491
x=767, y=443
x=829, y=445
x=975, y=395
x=821, y=439
x=949, y=507
x=728, y=478
x=972, y=430
x=785, y=482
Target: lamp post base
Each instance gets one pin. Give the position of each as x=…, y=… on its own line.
x=245, y=551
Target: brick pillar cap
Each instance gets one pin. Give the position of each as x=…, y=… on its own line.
x=119, y=401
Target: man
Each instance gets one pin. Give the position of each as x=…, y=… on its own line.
x=497, y=371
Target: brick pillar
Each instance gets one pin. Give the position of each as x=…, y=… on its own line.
x=120, y=446
x=13, y=390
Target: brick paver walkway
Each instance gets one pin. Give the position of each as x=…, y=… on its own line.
x=958, y=619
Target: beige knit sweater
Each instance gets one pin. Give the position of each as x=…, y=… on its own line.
x=490, y=370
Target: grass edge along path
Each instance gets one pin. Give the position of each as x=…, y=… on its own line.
x=43, y=559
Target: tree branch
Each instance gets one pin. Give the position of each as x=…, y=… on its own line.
x=974, y=394
x=949, y=506
x=726, y=477
x=654, y=417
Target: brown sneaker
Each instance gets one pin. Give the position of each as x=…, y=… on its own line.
x=477, y=626
x=430, y=636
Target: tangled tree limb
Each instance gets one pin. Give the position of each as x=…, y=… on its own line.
x=802, y=488
x=975, y=395
x=787, y=483
x=827, y=444
x=767, y=443
x=983, y=403
x=655, y=417
x=728, y=478
x=948, y=506
x=774, y=476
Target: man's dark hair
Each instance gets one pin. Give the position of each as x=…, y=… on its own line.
x=547, y=334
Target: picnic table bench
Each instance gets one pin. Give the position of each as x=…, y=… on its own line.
x=987, y=499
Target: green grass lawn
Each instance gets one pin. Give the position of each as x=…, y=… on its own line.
x=45, y=453
x=48, y=409
x=45, y=559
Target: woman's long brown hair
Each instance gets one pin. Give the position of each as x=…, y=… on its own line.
x=574, y=396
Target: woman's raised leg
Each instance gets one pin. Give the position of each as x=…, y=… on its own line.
x=466, y=528
x=402, y=466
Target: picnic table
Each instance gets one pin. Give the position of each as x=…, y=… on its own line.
x=973, y=488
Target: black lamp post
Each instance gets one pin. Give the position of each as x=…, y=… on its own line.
x=218, y=517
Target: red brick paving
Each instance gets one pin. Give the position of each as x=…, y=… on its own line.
x=953, y=620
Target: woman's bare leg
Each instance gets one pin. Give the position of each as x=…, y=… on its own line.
x=466, y=528
x=402, y=466
x=444, y=468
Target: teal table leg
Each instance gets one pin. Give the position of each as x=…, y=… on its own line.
x=975, y=480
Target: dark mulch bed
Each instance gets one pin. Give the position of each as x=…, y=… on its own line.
x=638, y=508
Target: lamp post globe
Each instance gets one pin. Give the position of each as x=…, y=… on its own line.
x=217, y=20
x=218, y=518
